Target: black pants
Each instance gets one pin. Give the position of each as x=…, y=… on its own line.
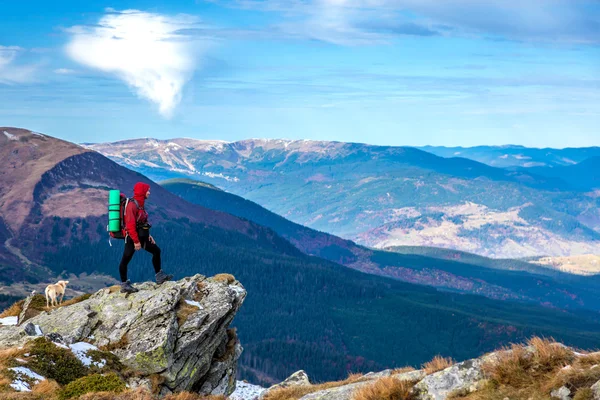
x=130, y=251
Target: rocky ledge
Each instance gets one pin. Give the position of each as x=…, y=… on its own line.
x=541, y=369
x=176, y=334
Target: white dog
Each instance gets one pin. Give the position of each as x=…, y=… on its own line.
x=53, y=291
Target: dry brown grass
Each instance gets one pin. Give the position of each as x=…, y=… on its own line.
x=142, y=394
x=580, y=375
x=114, y=288
x=589, y=360
x=48, y=389
x=386, y=388
x=122, y=343
x=7, y=355
x=438, y=363
x=519, y=368
x=138, y=394
x=14, y=310
x=75, y=300
x=199, y=295
x=227, y=278
x=155, y=382
x=296, y=392
x=192, y=396
x=20, y=396
x=532, y=373
x=402, y=370
x=584, y=394
x=184, y=310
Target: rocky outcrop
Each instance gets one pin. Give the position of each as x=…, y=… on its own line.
x=464, y=377
x=567, y=374
x=298, y=378
x=345, y=391
x=178, y=331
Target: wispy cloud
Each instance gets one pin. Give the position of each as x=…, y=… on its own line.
x=150, y=52
x=12, y=72
x=373, y=21
x=64, y=71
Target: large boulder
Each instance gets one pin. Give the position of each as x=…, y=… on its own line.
x=463, y=377
x=179, y=331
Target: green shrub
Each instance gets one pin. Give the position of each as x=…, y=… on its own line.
x=112, y=362
x=54, y=362
x=92, y=383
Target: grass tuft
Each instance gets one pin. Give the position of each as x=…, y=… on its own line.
x=227, y=278
x=296, y=392
x=120, y=344
x=184, y=310
x=438, y=363
x=14, y=310
x=386, y=388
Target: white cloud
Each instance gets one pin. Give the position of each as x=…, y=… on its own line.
x=12, y=72
x=149, y=52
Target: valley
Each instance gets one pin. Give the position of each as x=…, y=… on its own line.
x=308, y=296
x=382, y=196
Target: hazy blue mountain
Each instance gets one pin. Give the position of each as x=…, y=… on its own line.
x=517, y=156
x=583, y=176
x=386, y=196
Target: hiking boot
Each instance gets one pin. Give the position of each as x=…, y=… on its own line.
x=161, y=277
x=127, y=288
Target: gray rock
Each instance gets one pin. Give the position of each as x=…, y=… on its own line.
x=466, y=376
x=562, y=394
x=414, y=376
x=30, y=330
x=298, y=378
x=339, y=393
x=191, y=352
x=143, y=383
x=346, y=392
x=25, y=309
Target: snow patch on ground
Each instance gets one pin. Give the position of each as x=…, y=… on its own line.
x=10, y=136
x=194, y=303
x=246, y=391
x=38, y=330
x=24, y=378
x=9, y=320
x=80, y=350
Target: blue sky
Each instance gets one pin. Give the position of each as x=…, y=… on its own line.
x=397, y=72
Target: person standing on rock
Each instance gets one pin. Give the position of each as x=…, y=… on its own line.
x=137, y=237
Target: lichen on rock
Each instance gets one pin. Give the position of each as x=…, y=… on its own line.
x=143, y=332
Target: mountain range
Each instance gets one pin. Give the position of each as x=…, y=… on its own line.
x=382, y=196
x=305, y=307
x=518, y=156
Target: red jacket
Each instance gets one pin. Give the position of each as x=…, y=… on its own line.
x=135, y=215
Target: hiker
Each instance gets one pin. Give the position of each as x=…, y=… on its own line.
x=137, y=237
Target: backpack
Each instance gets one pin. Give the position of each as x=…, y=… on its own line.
x=120, y=233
